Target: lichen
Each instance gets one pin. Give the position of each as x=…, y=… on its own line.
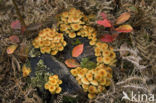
x=41, y=75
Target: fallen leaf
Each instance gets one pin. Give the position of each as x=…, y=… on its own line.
x=124, y=28
x=16, y=24
x=123, y=18
x=104, y=15
x=11, y=49
x=14, y=39
x=77, y=50
x=72, y=63
x=107, y=38
x=105, y=23
x=26, y=71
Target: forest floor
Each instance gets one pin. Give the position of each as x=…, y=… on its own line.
x=127, y=26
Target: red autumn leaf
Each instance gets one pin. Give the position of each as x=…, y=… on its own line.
x=123, y=18
x=14, y=39
x=77, y=50
x=16, y=24
x=105, y=23
x=72, y=63
x=107, y=38
x=124, y=28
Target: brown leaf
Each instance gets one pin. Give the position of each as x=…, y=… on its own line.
x=124, y=28
x=72, y=63
x=14, y=39
x=123, y=18
x=77, y=50
x=11, y=49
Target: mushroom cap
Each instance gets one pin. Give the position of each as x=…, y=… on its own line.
x=53, y=82
x=55, y=76
x=75, y=27
x=107, y=60
x=106, y=53
x=100, y=88
x=102, y=72
x=72, y=35
x=46, y=86
x=85, y=81
x=54, y=52
x=99, y=59
x=89, y=76
x=91, y=95
x=92, y=89
x=58, y=90
x=94, y=82
x=52, y=89
x=74, y=72
x=92, y=42
x=85, y=86
x=103, y=81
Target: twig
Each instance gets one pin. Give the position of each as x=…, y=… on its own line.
x=18, y=13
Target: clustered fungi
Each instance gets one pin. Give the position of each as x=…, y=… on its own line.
x=74, y=23
x=104, y=54
x=49, y=41
x=53, y=85
x=93, y=81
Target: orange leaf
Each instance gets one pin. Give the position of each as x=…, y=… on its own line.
x=77, y=50
x=72, y=63
x=123, y=18
x=124, y=28
x=11, y=49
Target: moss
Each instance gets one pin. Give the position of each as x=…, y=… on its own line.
x=34, y=53
x=67, y=99
x=86, y=63
x=76, y=42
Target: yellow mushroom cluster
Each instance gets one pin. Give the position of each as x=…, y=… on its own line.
x=53, y=85
x=89, y=32
x=73, y=23
x=49, y=41
x=104, y=54
x=93, y=81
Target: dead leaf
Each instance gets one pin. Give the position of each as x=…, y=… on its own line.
x=105, y=23
x=77, y=50
x=72, y=63
x=11, y=49
x=14, y=39
x=16, y=24
x=123, y=18
x=106, y=38
x=124, y=28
